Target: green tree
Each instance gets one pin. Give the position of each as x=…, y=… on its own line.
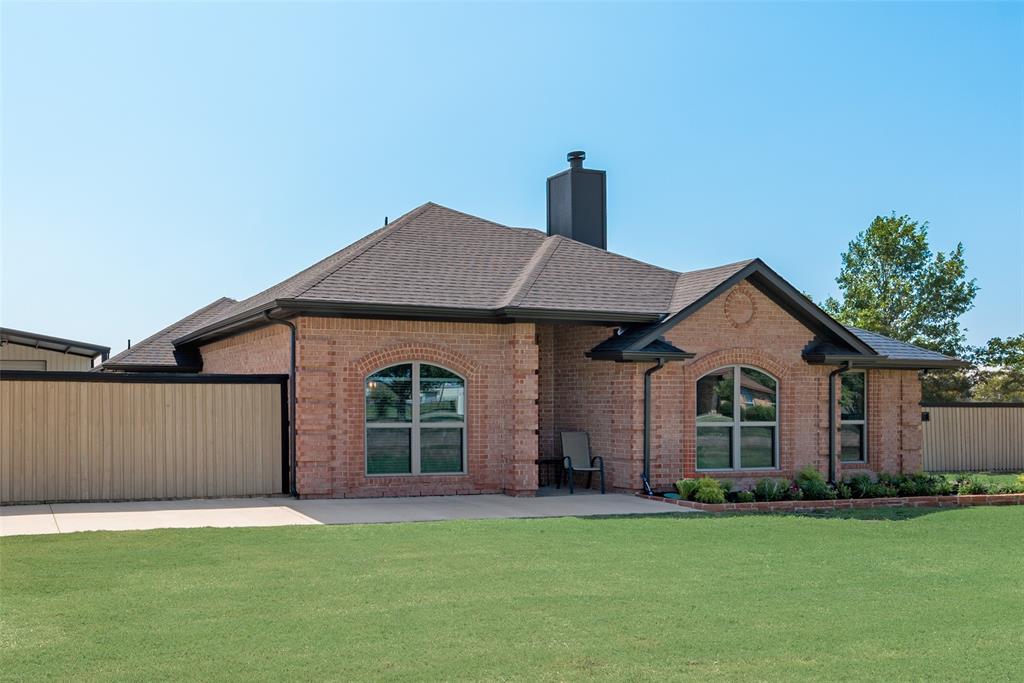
x=892, y=283
x=998, y=375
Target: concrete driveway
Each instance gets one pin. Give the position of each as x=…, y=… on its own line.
x=60, y=518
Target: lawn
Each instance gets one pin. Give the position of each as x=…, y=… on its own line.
x=878, y=595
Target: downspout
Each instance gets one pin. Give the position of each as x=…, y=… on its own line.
x=832, y=419
x=646, y=476
x=291, y=401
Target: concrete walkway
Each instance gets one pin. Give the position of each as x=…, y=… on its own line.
x=61, y=518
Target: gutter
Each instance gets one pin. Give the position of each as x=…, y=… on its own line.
x=291, y=401
x=646, y=476
x=832, y=419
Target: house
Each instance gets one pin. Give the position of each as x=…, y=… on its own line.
x=444, y=353
x=20, y=350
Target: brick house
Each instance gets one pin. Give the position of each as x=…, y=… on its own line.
x=415, y=373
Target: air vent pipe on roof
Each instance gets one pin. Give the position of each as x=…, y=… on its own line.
x=577, y=203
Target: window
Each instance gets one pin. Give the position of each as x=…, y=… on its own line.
x=853, y=415
x=415, y=421
x=737, y=429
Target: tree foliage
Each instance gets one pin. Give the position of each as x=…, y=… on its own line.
x=998, y=374
x=892, y=283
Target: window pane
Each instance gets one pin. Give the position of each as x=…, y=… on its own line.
x=757, y=396
x=389, y=450
x=442, y=395
x=757, y=447
x=851, y=402
x=851, y=443
x=714, y=397
x=389, y=395
x=714, y=448
x=441, y=450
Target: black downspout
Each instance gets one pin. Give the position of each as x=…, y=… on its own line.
x=291, y=402
x=832, y=420
x=647, y=425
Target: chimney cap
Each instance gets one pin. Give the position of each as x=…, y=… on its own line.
x=575, y=158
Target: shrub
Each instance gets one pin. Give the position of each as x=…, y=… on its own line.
x=921, y=484
x=759, y=413
x=971, y=485
x=1020, y=479
x=809, y=473
x=882, y=490
x=726, y=486
x=769, y=490
x=794, y=492
x=860, y=486
x=687, y=487
x=745, y=496
x=812, y=485
x=709, y=491
x=843, y=490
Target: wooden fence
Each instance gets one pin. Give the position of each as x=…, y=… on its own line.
x=89, y=436
x=973, y=437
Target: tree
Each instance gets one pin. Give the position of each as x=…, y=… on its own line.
x=998, y=375
x=893, y=284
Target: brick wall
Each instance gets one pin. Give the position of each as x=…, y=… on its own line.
x=264, y=350
x=498, y=361
x=602, y=398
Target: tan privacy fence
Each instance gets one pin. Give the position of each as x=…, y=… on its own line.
x=68, y=436
x=965, y=437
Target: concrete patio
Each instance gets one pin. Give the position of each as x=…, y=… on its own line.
x=58, y=518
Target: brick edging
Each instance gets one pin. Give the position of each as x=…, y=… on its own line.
x=848, y=503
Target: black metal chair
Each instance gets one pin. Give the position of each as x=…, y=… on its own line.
x=576, y=457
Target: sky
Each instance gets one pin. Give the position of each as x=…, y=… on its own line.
x=155, y=157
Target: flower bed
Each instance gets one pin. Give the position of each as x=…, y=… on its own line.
x=810, y=491
x=847, y=503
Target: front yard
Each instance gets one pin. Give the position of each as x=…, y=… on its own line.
x=880, y=595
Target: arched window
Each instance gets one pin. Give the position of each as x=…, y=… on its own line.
x=737, y=420
x=415, y=420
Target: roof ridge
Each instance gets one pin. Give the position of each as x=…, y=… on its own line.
x=370, y=241
x=531, y=271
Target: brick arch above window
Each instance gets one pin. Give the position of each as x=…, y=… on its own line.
x=754, y=358
x=424, y=353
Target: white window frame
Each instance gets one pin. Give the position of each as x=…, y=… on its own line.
x=415, y=425
x=863, y=422
x=737, y=424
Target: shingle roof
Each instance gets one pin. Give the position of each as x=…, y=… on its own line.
x=896, y=350
x=158, y=350
x=435, y=258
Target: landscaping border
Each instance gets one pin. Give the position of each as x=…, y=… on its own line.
x=848, y=503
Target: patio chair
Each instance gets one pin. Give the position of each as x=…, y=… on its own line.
x=576, y=457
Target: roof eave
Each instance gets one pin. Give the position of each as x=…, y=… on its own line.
x=884, y=362
x=290, y=307
x=639, y=356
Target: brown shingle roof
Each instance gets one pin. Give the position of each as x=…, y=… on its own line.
x=158, y=350
x=436, y=259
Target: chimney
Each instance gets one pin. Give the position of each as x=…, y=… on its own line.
x=577, y=208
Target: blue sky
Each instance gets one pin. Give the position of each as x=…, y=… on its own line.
x=158, y=156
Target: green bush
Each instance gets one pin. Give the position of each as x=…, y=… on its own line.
x=687, y=487
x=973, y=486
x=843, y=490
x=816, y=490
x=770, y=490
x=860, y=486
x=882, y=490
x=709, y=491
x=809, y=473
x=794, y=492
x=745, y=496
x=726, y=486
x=921, y=484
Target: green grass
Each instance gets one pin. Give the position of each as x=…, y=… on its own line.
x=883, y=595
